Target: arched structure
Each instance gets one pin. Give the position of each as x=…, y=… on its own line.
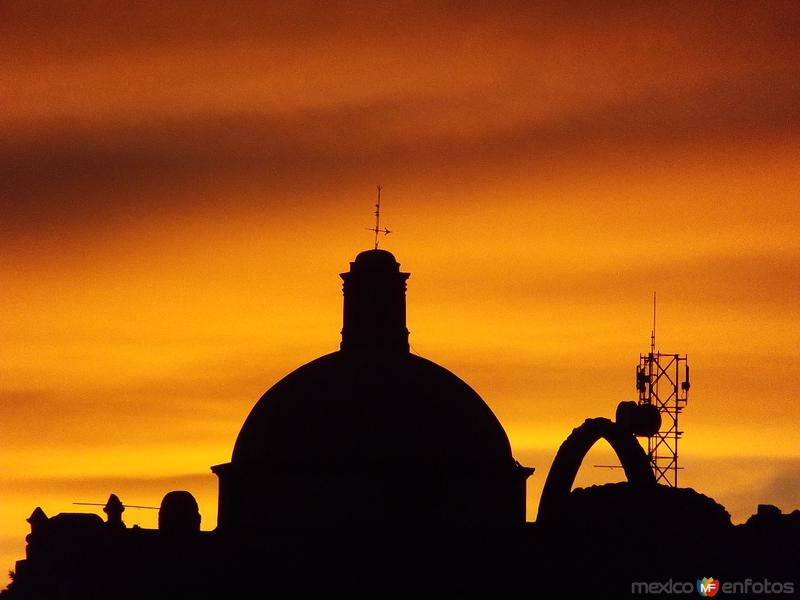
x=572, y=452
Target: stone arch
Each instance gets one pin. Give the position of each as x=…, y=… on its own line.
x=572, y=452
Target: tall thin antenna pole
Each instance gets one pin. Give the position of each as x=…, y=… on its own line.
x=653, y=332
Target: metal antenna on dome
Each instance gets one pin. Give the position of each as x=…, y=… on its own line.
x=377, y=229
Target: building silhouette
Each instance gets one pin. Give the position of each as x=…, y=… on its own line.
x=370, y=434
x=373, y=470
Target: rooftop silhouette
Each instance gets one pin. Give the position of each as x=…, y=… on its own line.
x=373, y=469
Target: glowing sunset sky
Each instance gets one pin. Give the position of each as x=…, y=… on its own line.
x=181, y=186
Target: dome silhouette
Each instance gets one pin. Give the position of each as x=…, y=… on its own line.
x=373, y=410
x=370, y=433
x=377, y=259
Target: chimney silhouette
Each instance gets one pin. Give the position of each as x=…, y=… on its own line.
x=374, y=304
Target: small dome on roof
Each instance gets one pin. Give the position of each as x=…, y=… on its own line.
x=376, y=259
x=179, y=513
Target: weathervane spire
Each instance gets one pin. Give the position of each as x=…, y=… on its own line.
x=377, y=229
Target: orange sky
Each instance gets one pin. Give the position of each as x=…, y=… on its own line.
x=180, y=188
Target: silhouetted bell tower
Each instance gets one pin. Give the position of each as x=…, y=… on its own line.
x=375, y=304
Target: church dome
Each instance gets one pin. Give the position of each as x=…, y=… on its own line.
x=367, y=409
x=371, y=433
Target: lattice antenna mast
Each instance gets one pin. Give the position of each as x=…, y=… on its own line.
x=377, y=229
x=662, y=380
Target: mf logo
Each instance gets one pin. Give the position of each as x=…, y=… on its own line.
x=707, y=586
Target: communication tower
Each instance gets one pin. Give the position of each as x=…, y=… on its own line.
x=662, y=381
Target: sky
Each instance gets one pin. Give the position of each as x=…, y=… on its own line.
x=181, y=185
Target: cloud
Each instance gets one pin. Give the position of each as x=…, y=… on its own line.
x=720, y=279
x=75, y=177
x=125, y=114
